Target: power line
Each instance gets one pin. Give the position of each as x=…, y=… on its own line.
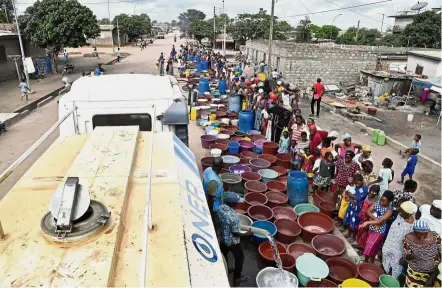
x=337, y=9
x=354, y=11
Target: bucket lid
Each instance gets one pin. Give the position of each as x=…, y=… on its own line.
x=312, y=267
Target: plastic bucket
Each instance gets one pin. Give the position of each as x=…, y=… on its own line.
x=207, y=140
x=266, y=225
x=264, y=276
x=220, y=146
x=270, y=148
x=233, y=147
x=353, y=282
x=410, y=117
x=327, y=208
x=267, y=174
x=244, y=220
x=232, y=182
x=305, y=207
x=322, y=196
x=246, y=145
x=310, y=267
x=386, y=281
x=271, y=158
x=284, y=160
x=207, y=162
x=215, y=152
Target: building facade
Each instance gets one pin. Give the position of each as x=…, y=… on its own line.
x=426, y=63
x=108, y=32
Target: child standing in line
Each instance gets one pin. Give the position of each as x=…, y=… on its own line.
x=355, y=206
x=411, y=165
x=387, y=175
x=349, y=189
x=362, y=234
x=370, y=178
x=284, y=143
x=326, y=172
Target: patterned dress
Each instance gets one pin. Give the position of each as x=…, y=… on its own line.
x=344, y=171
x=354, y=208
x=376, y=232
x=426, y=259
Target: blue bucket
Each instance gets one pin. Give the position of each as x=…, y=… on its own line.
x=233, y=147
x=266, y=225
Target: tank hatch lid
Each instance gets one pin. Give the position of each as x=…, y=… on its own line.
x=177, y=113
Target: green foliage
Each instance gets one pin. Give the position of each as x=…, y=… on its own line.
x=424, y=31
x=396, y=40
x=325, y=31
x=104, y=21
x=186, y=18
x=304, y=30
x=7, y=17
x=200, y=29
x=174, y=23
x=248, y=26
x=134, y=26
x=364, y=36
x=55, y=24
x=219, y=22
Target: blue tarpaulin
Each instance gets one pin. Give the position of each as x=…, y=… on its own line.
x=427, y=83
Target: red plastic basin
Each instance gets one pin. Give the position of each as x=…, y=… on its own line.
x=370, y=273
x=246, y=145
x=249, y=155
x=297, y=249
x=281, y=212
x=222, y=147
x=271, y=158
x=222, y=141
x=283, y=179
x=255, y=186
x=322, y=283
x=322, y=196
x=260, y=212
x=241, y=208
x=327, y=208
x=276, y=186
x=236, y=138
x=250, y=176
x=226, y=131
x=270, y=148
x=276, y=199
x=284, y=160
x=207, y=140
x=255, y=198
x=255, y=137
x=287, y=230
x=281, y=170
x=266, y=252
x=207, y=162
x=258, y=164
x=328, y=245
x=341, y=269
x=288, y=261
x=314, y=223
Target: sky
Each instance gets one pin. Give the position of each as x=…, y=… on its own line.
x=161, y=10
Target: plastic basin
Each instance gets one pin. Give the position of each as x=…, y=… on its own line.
x=254, y=186
x=260, y=213
x=314, y=223
x=327, y=208
x=241, y=208
x=249, y=155
x=310, y=267
x=239, y=133
x=260, y=142
x=282, y=179
x=370, y=273
x=229, y=160
x=305, y=207
x=270, y=148
x=262, y=279
x=226, y=131
x=281, y=170
x=271, y=158
x=207, y=162
x=236, y=138
x=267, y=174
x=207, y=140
x=298, y=249
x=287, y=230
x=256, y=137
x=246, y=145
x=276, y=199
x=233, y=147
x=244, y=220
x=341, y=269
x=254, y=198
x=258, y=164
x=281, y=212
x=250, y=176
x=222, y=141
x=276, y=186
x=353, y=282
x=284, y=160
x=387, y=281
x=266, y=252
x=322, y=283
x=328, y=245
x=232, y=182
x=222, y=147
x=322, y=196
x=266, y=225
x=288, y=261
x=239, y=169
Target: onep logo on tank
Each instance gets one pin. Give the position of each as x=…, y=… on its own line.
x=206, y=266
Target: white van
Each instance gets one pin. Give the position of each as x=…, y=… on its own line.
x=151, y=102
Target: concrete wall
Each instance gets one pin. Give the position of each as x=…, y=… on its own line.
x=105, y=40
x=302, y=64
x=402, y=22
x=431, y=69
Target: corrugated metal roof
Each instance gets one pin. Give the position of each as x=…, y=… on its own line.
x=432, y=54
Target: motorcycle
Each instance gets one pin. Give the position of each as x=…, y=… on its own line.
x=68, y=68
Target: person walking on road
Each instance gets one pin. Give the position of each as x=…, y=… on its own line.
x=96, y=53
x=24, y=89
x=161, y=64
x=318, y=91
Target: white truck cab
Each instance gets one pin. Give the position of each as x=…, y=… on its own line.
x=151, y=102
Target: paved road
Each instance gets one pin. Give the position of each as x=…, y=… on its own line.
x=24, y=133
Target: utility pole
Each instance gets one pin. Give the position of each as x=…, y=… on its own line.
x=111, y=26
x=357, y=32
x=28, y=82
x=224, y=32
x=382, y=24
x=272, y=14
x=118, y=34
x=214, y=29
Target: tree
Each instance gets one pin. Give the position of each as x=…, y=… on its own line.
x=6, y=11
x=329, y=31
x=200, y=30
x=54, y=24
x=396, y=39
x=368, y=36
x=104, y=21
x=424, y=31
x=191, y=15
x=280, y=30
x=154, y=22
x=133, y=26
x=219, y=22
x=303, y=30
x=174, y=23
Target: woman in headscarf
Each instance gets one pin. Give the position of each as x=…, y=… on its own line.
x=345, y=168
x=347, y=145
x=379, y=213
x=364, y=156
x=422, y=252
x=393, y=249
x=280, y=119
x=258, y=105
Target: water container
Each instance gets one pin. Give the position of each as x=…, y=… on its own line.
x=375, y=135
x=199, y=67
x=424, y=95
x=198, y=59
x=203, y=86
x=190, y=57
x=222, y=86
x=205, y=65
x=246, y=120
x=381, y=139
x=297, y=188
x=233, y=147
x=234, y=103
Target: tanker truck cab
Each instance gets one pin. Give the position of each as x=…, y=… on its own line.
x=151, y=102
